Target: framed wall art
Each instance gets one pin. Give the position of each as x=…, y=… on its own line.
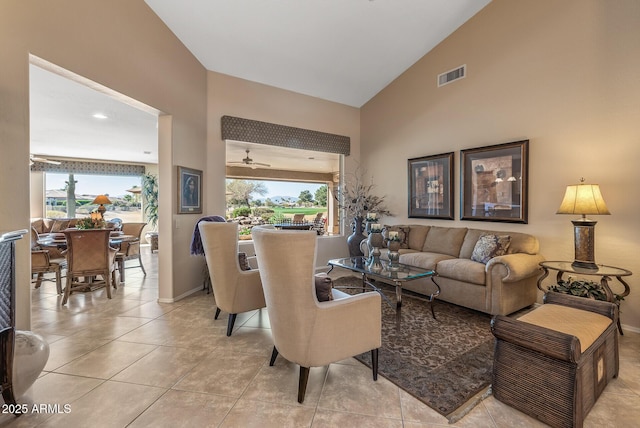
x=431, y=186
x=189, y=191
x=493, y=186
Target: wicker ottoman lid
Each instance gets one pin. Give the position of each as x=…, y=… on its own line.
x=586, y=326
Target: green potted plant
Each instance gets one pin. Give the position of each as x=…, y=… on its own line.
x=583, y=288
x=150, y=194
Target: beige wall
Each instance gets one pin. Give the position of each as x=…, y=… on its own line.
x=122, y=45
x=563, y=74
x=231, y=96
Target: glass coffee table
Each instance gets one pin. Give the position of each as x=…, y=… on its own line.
x=396, y=275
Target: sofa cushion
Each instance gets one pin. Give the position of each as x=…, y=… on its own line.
x=462, y=270
x=403, y=234
x=417, y=235
x=38, y=225
x=523, y=243
x=520, y=242
x=59, y=225
x=423, y=259
x=46, y=224
x=490, y=246
x=444, y=240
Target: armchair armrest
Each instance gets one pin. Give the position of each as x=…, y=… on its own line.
x=253, y=262
x=518, y=266
x=39, y=259
x=133, y=247
x=361, y=312
x=551, y=343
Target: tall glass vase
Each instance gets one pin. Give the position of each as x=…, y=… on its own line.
x=354, y=240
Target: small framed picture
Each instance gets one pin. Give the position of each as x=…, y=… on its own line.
x=431, y=187
x=494, y=182
x=189, y=191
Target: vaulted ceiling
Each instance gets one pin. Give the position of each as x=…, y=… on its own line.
x=344, y=51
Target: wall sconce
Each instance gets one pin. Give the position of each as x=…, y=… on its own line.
x=101, y=200
x=583, y=199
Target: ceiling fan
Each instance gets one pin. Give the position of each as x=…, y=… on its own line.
x=33, y=159
x=249, y=162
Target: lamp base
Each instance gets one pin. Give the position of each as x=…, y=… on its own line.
x=584, y=237
x=578, y=265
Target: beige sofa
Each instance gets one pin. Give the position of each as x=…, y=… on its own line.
x=52, y=225
x=505, y=284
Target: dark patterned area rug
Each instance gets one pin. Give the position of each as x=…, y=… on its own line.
x=445, y=363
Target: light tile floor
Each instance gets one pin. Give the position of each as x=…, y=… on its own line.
x=131, y=361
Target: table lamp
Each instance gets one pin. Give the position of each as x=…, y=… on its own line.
x=583, y=199
x=101, y=200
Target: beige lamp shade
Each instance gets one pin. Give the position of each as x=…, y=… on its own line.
x=584, y=199
x=101, y=199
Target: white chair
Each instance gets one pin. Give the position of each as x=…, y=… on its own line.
x=305, y=331
x=235, y=290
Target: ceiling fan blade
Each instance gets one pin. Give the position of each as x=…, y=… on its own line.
x=247, y=161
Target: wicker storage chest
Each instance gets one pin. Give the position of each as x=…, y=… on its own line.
x=543, y=373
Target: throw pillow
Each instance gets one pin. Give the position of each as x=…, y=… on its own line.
x=403, y=235
x=243, y=262
x=490, y=246
x=59, y=225
x=324, y=284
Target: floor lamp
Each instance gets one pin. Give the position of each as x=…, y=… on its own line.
x=583, y=199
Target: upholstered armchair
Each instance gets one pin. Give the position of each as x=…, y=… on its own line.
x=89, y=255
x=235, y=290
x=130, y=250
x=305, y=331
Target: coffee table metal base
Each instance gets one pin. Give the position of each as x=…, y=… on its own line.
x=368, y=278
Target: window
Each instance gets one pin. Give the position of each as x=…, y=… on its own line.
x=122, y=191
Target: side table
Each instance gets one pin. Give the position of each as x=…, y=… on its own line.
x=604, y=272
x=152, y=238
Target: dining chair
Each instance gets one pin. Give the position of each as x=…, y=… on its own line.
x=89, y=255
x=305, y=331
x=298, y=218
x=318, y=224
x=42, y=262
x=130, y=250
x=235, y=290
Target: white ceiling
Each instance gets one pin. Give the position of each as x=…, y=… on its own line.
x=339, y=50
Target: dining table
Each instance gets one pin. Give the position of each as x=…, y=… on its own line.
x=58, y=240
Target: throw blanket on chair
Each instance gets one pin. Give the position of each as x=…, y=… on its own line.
x=196, y=241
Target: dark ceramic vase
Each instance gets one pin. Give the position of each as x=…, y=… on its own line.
x=353, y=241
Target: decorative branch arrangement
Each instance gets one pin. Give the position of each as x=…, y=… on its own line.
x=357, y=198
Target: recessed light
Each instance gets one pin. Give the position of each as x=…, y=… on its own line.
x=100, y=116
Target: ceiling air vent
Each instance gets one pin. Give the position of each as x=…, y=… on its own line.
x=452, y=75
